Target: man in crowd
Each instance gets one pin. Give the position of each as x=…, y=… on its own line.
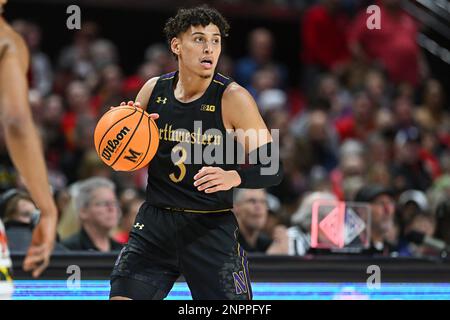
x=383, y=233
x=251, y=210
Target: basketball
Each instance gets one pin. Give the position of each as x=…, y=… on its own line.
x=126, y=138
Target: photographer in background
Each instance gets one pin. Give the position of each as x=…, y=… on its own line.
x=20, y=217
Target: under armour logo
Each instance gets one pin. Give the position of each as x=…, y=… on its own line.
x=161, y=100
x=138, y=225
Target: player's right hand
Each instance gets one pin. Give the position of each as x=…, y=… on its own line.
x=153, y=116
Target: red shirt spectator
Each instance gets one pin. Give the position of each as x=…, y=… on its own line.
x=360, y=124
x=393, y=45
x=324, y=32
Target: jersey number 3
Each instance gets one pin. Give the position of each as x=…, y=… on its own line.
x=179, y=164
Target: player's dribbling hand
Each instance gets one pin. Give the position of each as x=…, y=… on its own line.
x=213, y=179
x=154, y=116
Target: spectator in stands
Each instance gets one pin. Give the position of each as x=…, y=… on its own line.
x=423, y=224
x=69, y=222
x=78, y=104
x=324, y=40
x=225, y=65
x=443, y=221
x=134, y=83
x=263, y=79
x=339, y=100
x=379, y=153
x=72, y=161
x=394, y=45
x=260, y=47
x=300, y=232
x=317, y=144
x=157, y=53
x=129, y=212
x=376, y=87
x=76, y=58
x=41, y=73
x=352, y=164
x=378, y=149
x=382, y=205
x=408, y=171
x=92, y=166
x=294, y=181
x=109, y=91
x=53, y=139
x=251, y=210
x=20, y=216
x=273, y=101
x=103, y=53
x=410, y=204
x=432, y=114
x=378, y=173
x=351, y=186
x=361, y=123
x=403, y=113
x=98, y=211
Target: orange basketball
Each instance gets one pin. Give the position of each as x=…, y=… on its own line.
x=126, y=138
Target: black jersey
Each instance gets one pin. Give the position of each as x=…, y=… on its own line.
x=191, y=135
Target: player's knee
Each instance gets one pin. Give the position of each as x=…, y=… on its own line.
x=132, y=289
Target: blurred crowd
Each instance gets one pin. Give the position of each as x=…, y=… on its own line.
x=368, y=123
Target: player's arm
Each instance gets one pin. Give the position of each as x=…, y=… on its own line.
x=241, y=114
x=26, y=152
x=144, y=95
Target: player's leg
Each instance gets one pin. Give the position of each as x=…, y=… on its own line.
x=212, y=261
x=146, y=268
x=6, y=284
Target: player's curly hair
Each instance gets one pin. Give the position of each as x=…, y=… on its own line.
x=202, y=15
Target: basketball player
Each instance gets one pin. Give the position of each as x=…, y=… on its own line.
x=24, y=149
x=185, y=227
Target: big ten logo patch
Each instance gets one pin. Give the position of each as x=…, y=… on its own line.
x=208, y=107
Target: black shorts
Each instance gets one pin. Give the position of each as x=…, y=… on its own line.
x=165, y=244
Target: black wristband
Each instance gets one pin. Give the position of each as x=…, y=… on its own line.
x=259, y=175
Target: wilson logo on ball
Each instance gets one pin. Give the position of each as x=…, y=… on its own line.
x=111, y=146
x=126, y=138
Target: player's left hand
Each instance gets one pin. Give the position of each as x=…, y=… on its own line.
x=213, y=179
x=41, y=247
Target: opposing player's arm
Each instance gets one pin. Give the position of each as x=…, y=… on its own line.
x=240, y=113
x=25, y=149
